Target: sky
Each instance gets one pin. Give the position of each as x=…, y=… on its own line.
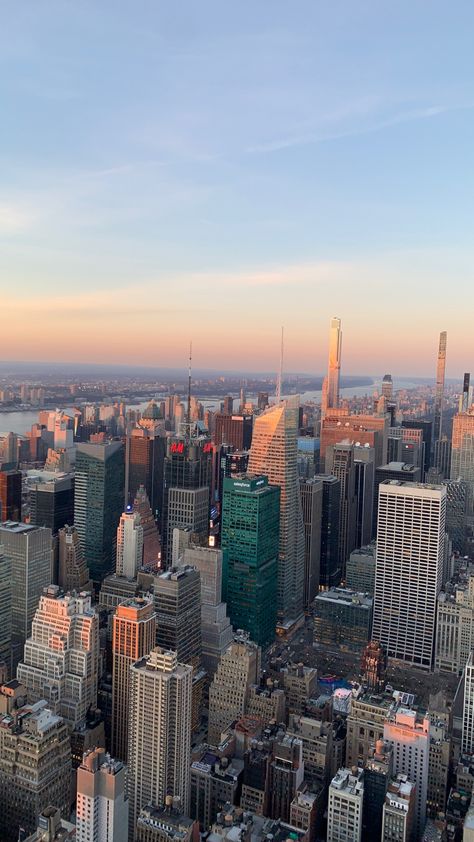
x=214, y=170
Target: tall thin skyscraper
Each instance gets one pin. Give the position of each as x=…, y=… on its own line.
x=159, y=746
x=274, y=453
x=134, y=632
x=439, y=397
x=334, y=363
x=409, y=569
x=129, y=545
x=102, y=804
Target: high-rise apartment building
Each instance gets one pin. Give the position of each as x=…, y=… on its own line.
x=249, y=539
x=159, y=746
x=61, y=658
x=187, y=483
x=346, y=799
x=340, y=463
x=129, y=545
x=334, y=364
x=409, y=736
x=439, y=395
x=311, y=491
x=10, y=495
x=274, y=453
x=238, y=668
x=35, y=768
x=177, y=599
x=51, y=499
x=409, y=569
x=98, y=503
x=73, y=573
x=134, y=632
x=102, y=803
x=29, y=552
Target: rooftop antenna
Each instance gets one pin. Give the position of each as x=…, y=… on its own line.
x=280, y=373
x=189, y=385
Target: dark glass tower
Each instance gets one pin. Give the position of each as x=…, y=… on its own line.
x=145, y=454
x=249, y=540
x=52, y=501
x=98, y=503
x=187, y=467
x=330, y=566
x=10, y=495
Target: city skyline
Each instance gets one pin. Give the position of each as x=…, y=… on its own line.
x=282, y=167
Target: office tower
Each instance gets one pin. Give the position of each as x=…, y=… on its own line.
x=159, y=745
x=238, y=668
x=330, y=566
x=346, y=798
x=455, y=628
x=409, y=569
x=249, y=538
x=98, y=503
x=334, y=364
x=262, y=401
x=9, y=451
x=216, y=630
x=52, y=828
x=187, y=482
x=467, y=741
x=465, y=399
x=102, y=804
x=286, y=775
x=35, y=768
x=274, y=454
x=364, y=464
x=228, y=405
x=387, y=387
x=151, y=538
x=10, y=495
x=166, y=823
x=177, y=601
x=28, y=550
x=340, y=463
x=266, y=702
x=360, y=570
x=73, y=574
x=134, y=632
x=457, y=506
x=409, y=738
x=5, y=606
x=233, y=429
x=311, y=491
x=144, y=462
x=301, y=684
x=129, y=545
x=462, y=453
x=427, y=431
x=442, y=456
x=343, y=618
x=339, y=425
x=377, y=775
x=61, y=658
x=439, y=394
x=399, y=810
x=399, y=471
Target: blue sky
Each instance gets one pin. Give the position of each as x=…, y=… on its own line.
x=217, y=169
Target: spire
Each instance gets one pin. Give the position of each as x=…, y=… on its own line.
x=189, y=386
x=280, y=373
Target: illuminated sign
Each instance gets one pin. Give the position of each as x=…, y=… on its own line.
x=207, y=448
x=177, y=447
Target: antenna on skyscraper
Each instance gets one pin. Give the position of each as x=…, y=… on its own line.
x=189, y=385
x=280, y=373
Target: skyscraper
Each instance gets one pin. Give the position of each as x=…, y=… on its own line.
x=340, y=463
x=187, y=482
x=177, y=600
x=29, y=551
x=311, y=491
x=5, y=606
x=330, y=572
x=346, y=798
x=274, y=453
x=98, y=503
x=151, y=538
x=249, y=537
x=238, y=668
x=409, y=569
x=134, y=631
x=159, y=746
x=387, y=387
x=10, y=495
x=52, y=499
x=102, y=804
x=409, y=736
x=439, y=395
x=233, y=429
x=334, y=363
x=129, y=545
x=364, y=465
x=144, y=461
x=61, y=658
x=73, y=572
x=462, y=453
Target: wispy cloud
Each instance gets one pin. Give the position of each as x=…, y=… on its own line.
x=14, y=219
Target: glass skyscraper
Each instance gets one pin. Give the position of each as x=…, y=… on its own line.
x=250, y=532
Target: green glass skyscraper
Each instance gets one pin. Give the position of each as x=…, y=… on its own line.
x=98, y=503
x=250, y=535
